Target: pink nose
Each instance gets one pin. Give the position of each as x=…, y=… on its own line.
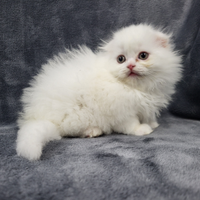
x=131, y=67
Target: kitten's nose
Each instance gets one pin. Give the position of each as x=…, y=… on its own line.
x=131, y=67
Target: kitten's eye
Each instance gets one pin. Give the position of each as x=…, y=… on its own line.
x=143, y=55
x=121, y=59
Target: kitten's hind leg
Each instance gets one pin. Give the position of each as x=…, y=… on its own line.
x=92, y=132
x=33, y=135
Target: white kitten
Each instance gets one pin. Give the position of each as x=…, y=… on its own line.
x=121, y=88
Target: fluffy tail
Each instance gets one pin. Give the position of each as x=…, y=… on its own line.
x=33, y=135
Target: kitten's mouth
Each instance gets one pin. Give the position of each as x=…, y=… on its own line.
x=133, y=74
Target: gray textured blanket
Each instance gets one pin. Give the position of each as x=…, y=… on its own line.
x=163, y=165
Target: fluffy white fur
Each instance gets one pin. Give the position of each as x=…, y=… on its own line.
x=86, y=94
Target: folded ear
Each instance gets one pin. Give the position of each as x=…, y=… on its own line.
x=163, y=39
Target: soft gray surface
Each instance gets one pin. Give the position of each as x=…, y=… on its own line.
x=163, y=165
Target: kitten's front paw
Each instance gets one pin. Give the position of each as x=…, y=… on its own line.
x=30, y=151
x=154, y=125
x=92, y=132
x=143, y=129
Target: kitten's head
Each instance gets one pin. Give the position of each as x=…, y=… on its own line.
x=142, y=56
